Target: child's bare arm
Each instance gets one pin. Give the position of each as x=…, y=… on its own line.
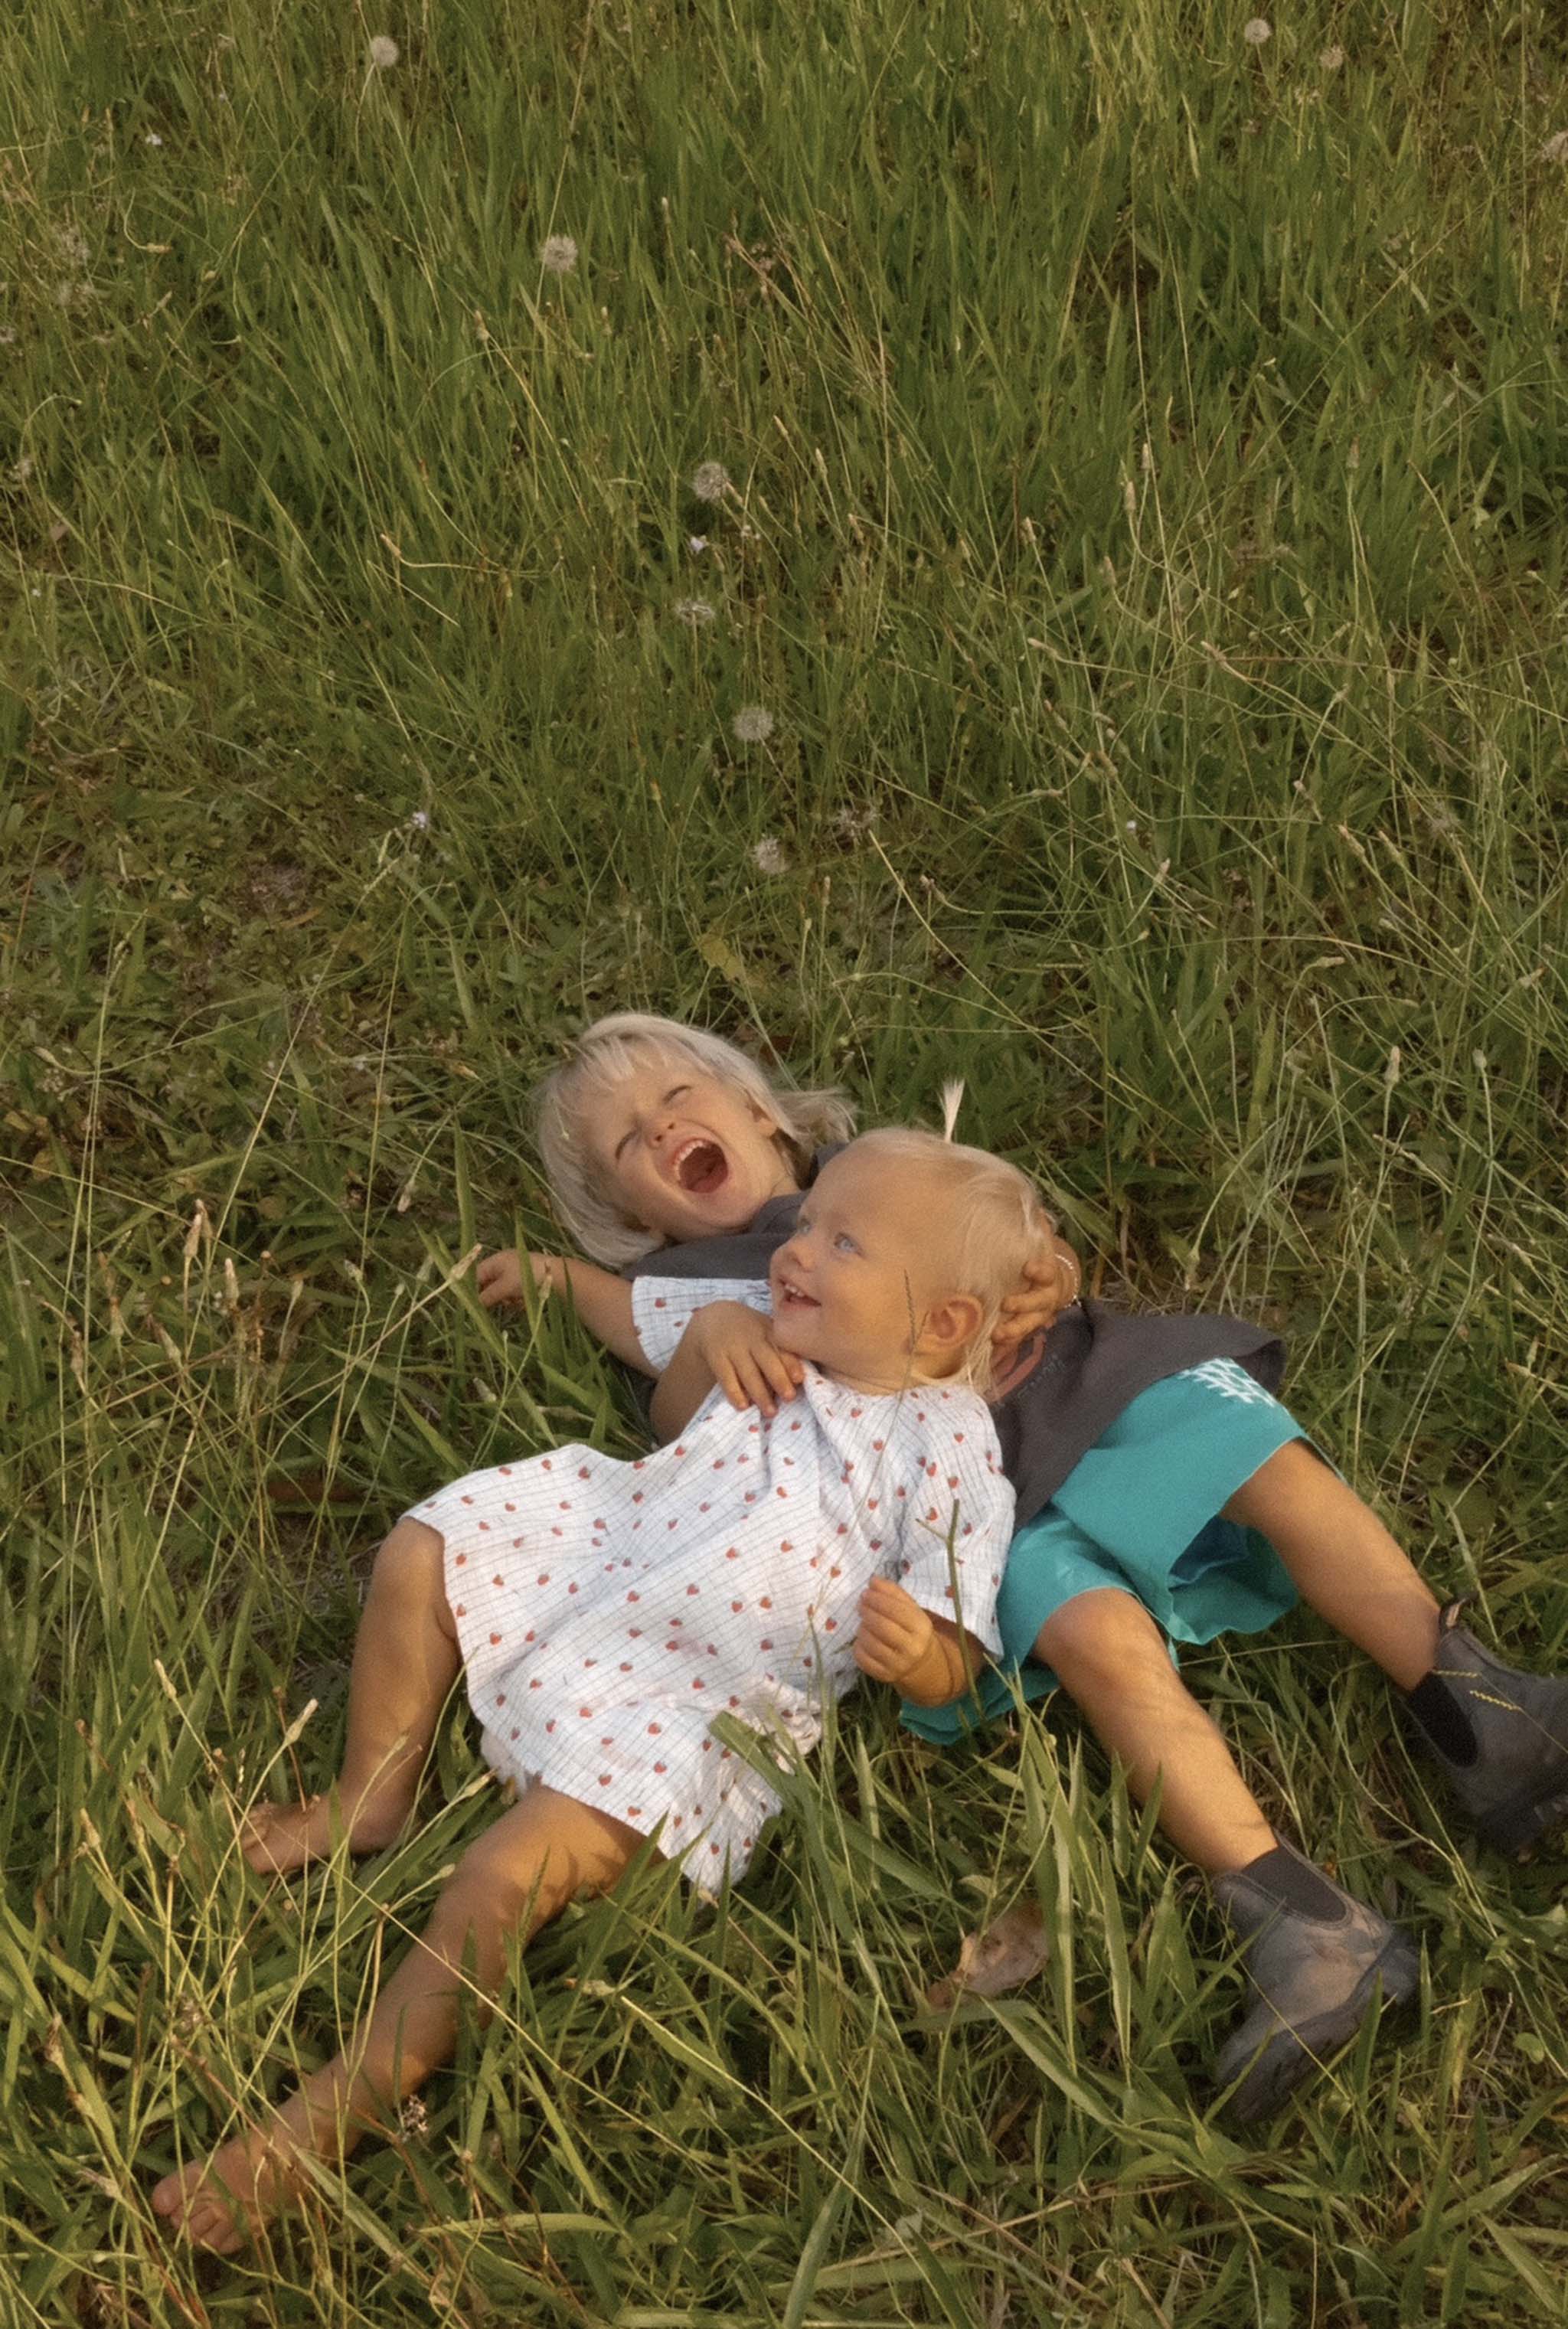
x=602, y=1300
x=729, y=1344
x=928, y=1660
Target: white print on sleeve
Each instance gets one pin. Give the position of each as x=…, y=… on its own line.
x=1231, y=1381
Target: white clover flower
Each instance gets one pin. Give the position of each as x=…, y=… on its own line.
x=710, y=480
x=557, y=254
x=1331, y=59
x=752, y=725
x=769, y=855
x=695, y=611
x=696, y=543
x=421, y=820
x=1256, y=31
x=1555, y=149
x=385, y=51
x=152, y=139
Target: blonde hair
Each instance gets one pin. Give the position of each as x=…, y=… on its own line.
x=998, y=1223
x=612, y=1048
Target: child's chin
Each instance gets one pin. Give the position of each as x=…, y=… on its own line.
x=795, y=1335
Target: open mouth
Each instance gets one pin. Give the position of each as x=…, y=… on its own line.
x=700, y=1167
x=788, y=1295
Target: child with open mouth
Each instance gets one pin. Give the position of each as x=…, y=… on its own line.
x=1163, y=1495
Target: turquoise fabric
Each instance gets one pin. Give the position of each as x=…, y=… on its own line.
x=1141, y=1513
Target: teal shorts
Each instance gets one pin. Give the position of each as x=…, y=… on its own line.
x=1141, y=1513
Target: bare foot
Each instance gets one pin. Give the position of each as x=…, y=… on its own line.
x=279, y=1838
x=223, y=2205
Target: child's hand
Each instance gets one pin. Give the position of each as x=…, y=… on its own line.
x=1051, y=1282
x=736, y=1346
x=499, y=1278
x=896, y=1636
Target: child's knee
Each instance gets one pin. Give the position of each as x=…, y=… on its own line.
x=412, y=1561
x=1106, y=1634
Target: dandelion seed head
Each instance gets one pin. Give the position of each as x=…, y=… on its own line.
x=769, y=855
x=710, y=480
x=1256, y=31
x=752, y=725
x=152, y=139
x=421, y=820
x=853, y=822
x=557, y=254
x=695, y=611
x=1555, y=149
x=23, y=469
x=1331, y=59
x=385, y=51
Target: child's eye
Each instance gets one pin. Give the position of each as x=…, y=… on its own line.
x=844, y=1243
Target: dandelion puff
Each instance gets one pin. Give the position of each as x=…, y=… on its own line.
x=152, y=139
x=1332, y=58
x=693, y=611
x=385, y=51
x=557, y=254
x=769, y=855
x=1256, y=31
x=752, y=725
x=1555, y=149
x=710, y=480
x=421, y=820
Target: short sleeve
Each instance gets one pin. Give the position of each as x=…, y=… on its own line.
x=960, y=1519
x=662, y=1308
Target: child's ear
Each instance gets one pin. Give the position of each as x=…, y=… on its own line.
x=951, y=1323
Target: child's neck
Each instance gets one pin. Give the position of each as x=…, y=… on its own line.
x=906, y=1374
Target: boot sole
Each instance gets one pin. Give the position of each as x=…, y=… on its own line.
x=1292, y=2054
x=1523, y=1821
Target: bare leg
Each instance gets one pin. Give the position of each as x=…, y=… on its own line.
x=405, y=1662
x=517, y=1876
x=1113, y=1663
x=1343, y=1561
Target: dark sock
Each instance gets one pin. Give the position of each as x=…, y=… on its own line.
x=1443, y=1719
x=1294, y=1884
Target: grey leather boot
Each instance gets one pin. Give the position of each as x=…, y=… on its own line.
x=1319, y=1962
x=1501, y=1737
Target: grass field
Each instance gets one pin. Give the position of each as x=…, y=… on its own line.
x=1144, y=452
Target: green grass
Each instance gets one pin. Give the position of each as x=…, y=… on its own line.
x=1148, y=454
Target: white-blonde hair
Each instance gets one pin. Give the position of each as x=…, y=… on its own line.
x=612, y=1048
x=997, y=1220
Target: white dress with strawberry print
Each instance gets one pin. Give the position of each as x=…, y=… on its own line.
x=608, y=1611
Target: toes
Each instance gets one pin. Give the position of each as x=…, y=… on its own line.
x=168, y=2197
x=214, y=2228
